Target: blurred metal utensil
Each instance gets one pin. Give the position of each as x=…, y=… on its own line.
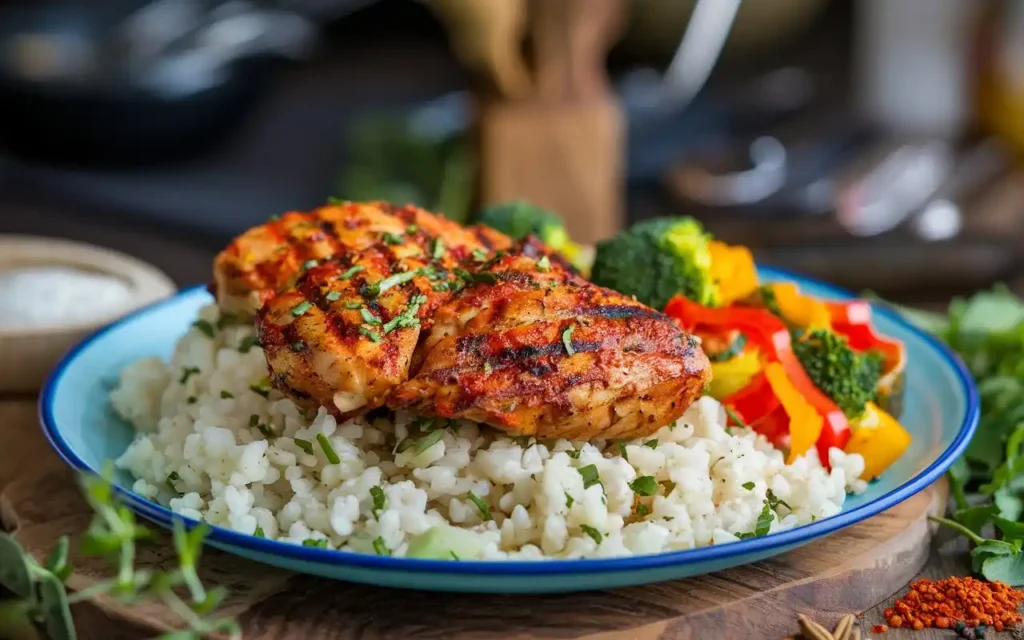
x=702, y=44
x=894, y=181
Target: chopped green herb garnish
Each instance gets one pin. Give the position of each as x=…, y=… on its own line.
x=485, y=511
x=749, y=486
x=254, y=420
x=266, y=430
x=454, y=557
x=301, y=308
x=226, y=395
x=642, y=510
x=774, y=502
x=173, y=476
x=573, y=453
x=590, y=475
x=394, y=280
x=259, y=532
x=380, y=548
x=644, y=486
x=248, y=342
x=764, y=521
x=734, y=417
x=262, y=387
x=484, y=277
x=391, y=238
x=310, y=542
x=408, y=317
x=568, y=501
x=652, y=444
x=191, y=400
x=544, y=264
x=567, y=339
x=479, y=254
x=594, y=534
x=353, y=304
x=227, y=319
x=429, y=440
x=329, y=452
x=622, y=451
x=351, y=271
x=368, y=316
x=205, y=327
x=333, y=296
x=309, y=264
x=369, y=333
x=305, y=445
x=298, y=345
x=437, y=248
x=412, y=228
x=441, y=286
x=379, y=499
x=187, y=373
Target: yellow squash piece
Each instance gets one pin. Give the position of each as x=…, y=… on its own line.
x=801, y=310
x=733, y=271
x=879, y=438
x=805, y=423
x=734, y=374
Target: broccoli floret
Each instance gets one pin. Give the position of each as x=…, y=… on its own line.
x=849, y=378
x=657, y=259
x=519, y=219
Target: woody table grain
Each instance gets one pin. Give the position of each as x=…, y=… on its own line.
x=855, y=570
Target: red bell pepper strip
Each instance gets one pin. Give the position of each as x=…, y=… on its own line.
x=771, y=336
x=852, y=319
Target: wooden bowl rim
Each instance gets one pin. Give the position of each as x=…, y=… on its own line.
x=147, y=283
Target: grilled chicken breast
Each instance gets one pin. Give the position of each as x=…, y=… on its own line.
x=268, y=258
x=540, y=351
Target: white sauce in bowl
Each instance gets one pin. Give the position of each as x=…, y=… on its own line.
x=35, y=296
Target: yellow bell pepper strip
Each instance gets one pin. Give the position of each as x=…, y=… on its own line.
x=799, y=310
x=770, y=335
x=879, y=438
x=733, y=271
x=805, y=423
x=732, y=375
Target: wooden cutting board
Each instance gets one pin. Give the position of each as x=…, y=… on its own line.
x=849, y=571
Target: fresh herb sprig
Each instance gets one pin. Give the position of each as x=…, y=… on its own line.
x=41, y=594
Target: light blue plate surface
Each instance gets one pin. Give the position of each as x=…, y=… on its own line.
x=941, y=412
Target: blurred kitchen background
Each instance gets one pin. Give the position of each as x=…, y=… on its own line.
x=872, y=143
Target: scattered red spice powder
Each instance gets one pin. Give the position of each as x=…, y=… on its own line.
x=943, y=603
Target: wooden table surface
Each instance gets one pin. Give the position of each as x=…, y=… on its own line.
x=948, y=555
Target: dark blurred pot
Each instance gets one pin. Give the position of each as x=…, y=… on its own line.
x=69, y=93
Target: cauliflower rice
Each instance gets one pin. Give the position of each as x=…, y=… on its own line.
x=215, y=444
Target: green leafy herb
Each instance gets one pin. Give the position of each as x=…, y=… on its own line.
x=351, y=271
x=305, y=445
x=642, y=510
x=315, y=543
x=590, y=475
x=573, y=453
x=568, y=501
x=749, y=486
x=266, y=430
x=391, y=238
x=259, y=532
x=437, y=248
x=479, y=254
x=378, y=497
x=187, y=373
x=393, y=280
x=261, y=387
x=774, y=502
x=734, y=417
x=408, y=317
x=248, y=343
x=333, y=296
x=429, y=440
x=594, y=534
x=369, y=333
x=481, y=506
x=544, y=264
x=484, y=277
x=644, y=486
x=622, y=451
x=329, y=452
x=652, y=444
x=191, y=400
x=369, y=317
x=301, y=308
x=353, y=304
x=226, y=395
x=567, y=339
x=380, y=548
x=205, y=328
x=411, y=228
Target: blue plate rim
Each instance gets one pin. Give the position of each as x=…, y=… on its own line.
x=753, y=546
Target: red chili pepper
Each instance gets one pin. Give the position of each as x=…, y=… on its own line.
x=771, y=336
